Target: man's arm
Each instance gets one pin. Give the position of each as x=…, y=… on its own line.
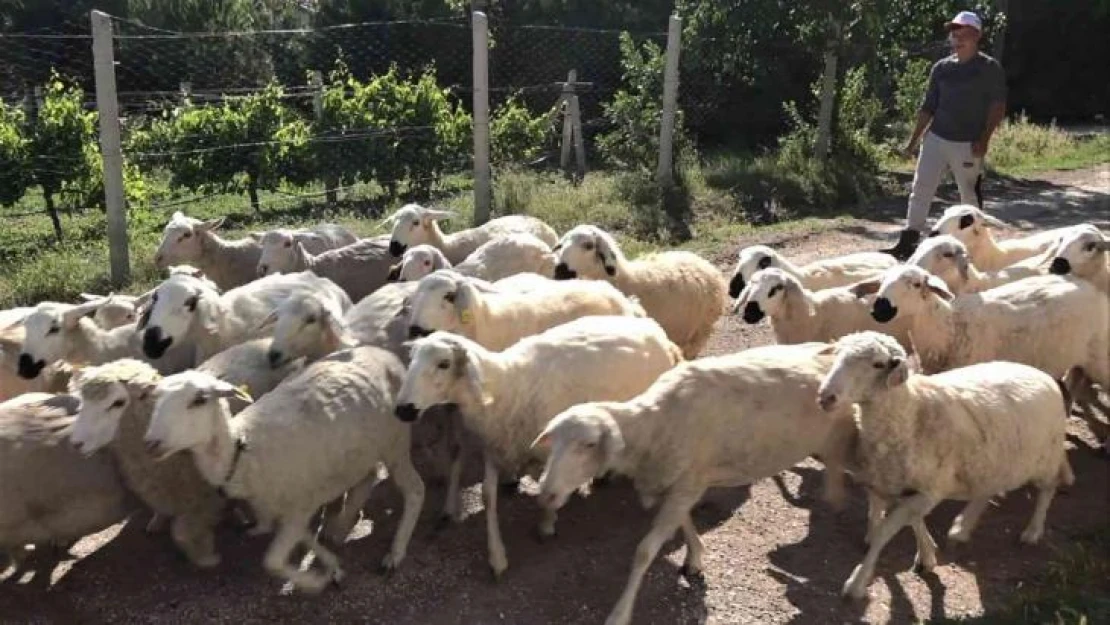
x=925, y=113
x=995, y=113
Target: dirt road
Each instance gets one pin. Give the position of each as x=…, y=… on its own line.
x=775, y=554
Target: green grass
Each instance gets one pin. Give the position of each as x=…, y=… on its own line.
x=1020, y=147
x=1073, y=590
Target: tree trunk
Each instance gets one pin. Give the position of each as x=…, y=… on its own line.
x=252, y=191
x=330, y=185
x=828, y=96
x=52, y=210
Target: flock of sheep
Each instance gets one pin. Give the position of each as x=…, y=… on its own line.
x=274, y=377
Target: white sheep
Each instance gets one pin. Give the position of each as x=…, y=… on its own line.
x=185, y=311
x=116, y=404
x=973, y=228
x=1084, y=253
x=52, y=494
x=718, y=421
x=306, y=324
x=496, y=318
x=947, y=257
x=316, y=436
x=279, y=252
x=250, y=366
x=56, y=332
x=799, y=315
x=504, y=256
x=684, y=292
x=359, y=268
x=968, y=434
x=413, y=224
x=116, y=310
x=186, y=240
x=819, y=274
x=590, y=358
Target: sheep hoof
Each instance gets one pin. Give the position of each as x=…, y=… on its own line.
x=543, y=537
x=337, y=577
x=691, y=574
x=496, y=575
x=208, y=561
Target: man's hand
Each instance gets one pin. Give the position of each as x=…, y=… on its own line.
x=979, y=147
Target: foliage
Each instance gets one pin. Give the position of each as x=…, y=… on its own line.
x=909, y=90
x=516, y=135
x=1019, y=146
x=62, y=138
x=15, y=175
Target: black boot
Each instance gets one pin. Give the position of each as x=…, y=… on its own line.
x=907, y=243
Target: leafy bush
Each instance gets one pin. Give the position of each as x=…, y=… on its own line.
x=14, y=154
x=909, y=90
x=515, y=135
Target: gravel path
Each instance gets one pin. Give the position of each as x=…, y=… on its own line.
x=774, y=554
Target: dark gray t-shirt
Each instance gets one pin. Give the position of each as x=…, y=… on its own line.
x=959, y=95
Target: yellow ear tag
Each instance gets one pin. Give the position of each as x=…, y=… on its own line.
x=244, y=392
x=467, y=317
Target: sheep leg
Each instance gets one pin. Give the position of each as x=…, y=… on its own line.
x=291, y=532
x=834, y=456
x=672, y=514
x=1033, y=532
x=966, y=521
x=925, y=560
x=452, y=506
x=909, y=510
x=196, y=540
x=1086, y=409
x=692, y=566
x=498, y=561
x=546, y=527
x=876, y=508
x=339, y=526
x=325, y=556
x=411, y=486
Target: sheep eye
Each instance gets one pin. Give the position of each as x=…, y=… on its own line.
x=949, y=255
x=415, y=224
x=153, y=298
x=310, y=319
x=118, y=403
x=588, y=246
x=443, y=364
x=917, y=285
x=186, y=236
x=1090, y=247
x=591, y=445
x=427, y=263
x=288, y=244
x=53, y=330
x=199, y=400
x=191, y=303
x=450, y=298
x=774, y=290
x=879, y=365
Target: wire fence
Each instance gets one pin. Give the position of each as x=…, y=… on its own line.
x=363, y=115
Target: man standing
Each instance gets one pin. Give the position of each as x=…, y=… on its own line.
x=964, y=103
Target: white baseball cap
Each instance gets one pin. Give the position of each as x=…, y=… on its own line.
x=966, y=18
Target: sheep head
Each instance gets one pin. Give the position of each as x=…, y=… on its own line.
x=1082, y=252
x=946, y=257
x=279, y=254
x=413, y=225
x=180, y=304
x=580, y=443
x=442, y=371
x=767, y=295
x=865, y=363
x=106, y=392
x=116, y=310
x=188, y=407
x=905, y=289
x=305, y=325
x=444, y=300
x=419, y=261
x=586, y=252
x=750, y=260
x=965, y=222
x=181, y=239
x=49, y=332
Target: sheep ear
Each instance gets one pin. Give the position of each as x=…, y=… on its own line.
x=300, y=253
x=394, y=273
x=867, y=287
x=994, y=221
x=433, y=214
x=177, y=216
x=542, y=442
x=209, y=310
x=936, y=285
x=828, y=350
x=465, y=362
x=268, y=320
x=73, y=316
x=612, y=442
x=1104, y=245
x=89, y=297
x=899, y=373
x=227, y=390
x=465, y=297
x=338, y=328
x=605, y=255
x=742, y=300
x=210, y=225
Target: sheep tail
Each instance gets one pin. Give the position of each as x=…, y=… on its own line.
x=1068, y=383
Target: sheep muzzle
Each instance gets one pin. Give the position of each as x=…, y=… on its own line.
x=29, y=368
x=882, y=310
x=1060, y=266
x=406, y=412
x=563, y=272
x=736, y=286
x=154, y=346
x=753, y=313
x=396, y=249
x=417, y=332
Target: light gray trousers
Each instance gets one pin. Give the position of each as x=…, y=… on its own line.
x=935, y=156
